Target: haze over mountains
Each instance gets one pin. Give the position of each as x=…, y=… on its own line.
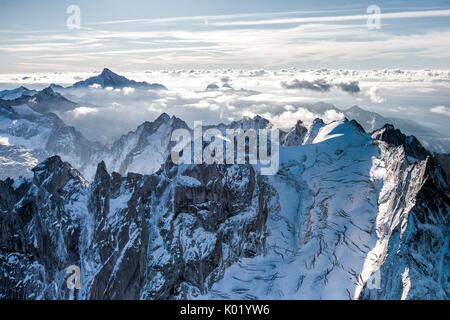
x=31, y=125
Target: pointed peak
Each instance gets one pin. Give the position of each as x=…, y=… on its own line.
x=109, y=75
x=108, y=78
x=101, y=174
x=48, y=90
x=299, y=123
x=53, y=174
x=388, y=127
x=55, y=86
x=392, y=136
x=49, y=93
x=318, y=121
x=163, y=117
x=356, y=125
x=355, y=108
x=51, y=163
x=106, y=71
x=101, y=166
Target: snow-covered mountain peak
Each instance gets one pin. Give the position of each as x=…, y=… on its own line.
x=53, y=173
x=107, y=73
x=101, y=174
x=163, y=117
x=296, y=136
x=145, y=149
x=349, y=130
x=48, y=93
x=318, y=121
x=16, y=93
x=32, y=137
x=392, y=136
x=47, y=100
x=149, y=127
x=108, y=78
x=55, y=86
x=257, y=122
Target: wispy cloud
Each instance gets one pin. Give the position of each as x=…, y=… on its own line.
x=260, y=40
x=322, y=85
x=441, y=110
x=342, y=18
x=218, y=17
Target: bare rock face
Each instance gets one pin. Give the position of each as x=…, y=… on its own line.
x=296, y=136
x=167, y=235
x=214, y=215
x=413, y=257
x=120, y=235
x=42, y=136
x=39, y=234
x=395, y=137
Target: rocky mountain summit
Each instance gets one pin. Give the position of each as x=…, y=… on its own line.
x=108, y=78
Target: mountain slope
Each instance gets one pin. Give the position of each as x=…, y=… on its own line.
x=44, y=101
x=371, y=121
x=342, y=206
x=28, y=137
x=16, y=93
x=143, y=150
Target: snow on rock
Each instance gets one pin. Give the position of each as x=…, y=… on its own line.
x=344, y=206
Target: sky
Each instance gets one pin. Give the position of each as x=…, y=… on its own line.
x=151, y=35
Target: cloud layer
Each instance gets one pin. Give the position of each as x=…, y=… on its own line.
x=106, y=113
x=441, y=110
x=322, y=85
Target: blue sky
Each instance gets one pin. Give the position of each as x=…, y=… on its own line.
x=141, y=35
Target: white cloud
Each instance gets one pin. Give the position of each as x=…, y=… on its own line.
x=393, y=15
x=289, y=118
x=332, y=115
x=82, y=111
x=374, y=95
x=203, y=104
x=4, y=141
x=106, y=113
x=441, y=110
x=127, y=90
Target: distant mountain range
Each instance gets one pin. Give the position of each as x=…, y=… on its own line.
x=371, y=121
x=16, y=93
x=31, y=132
